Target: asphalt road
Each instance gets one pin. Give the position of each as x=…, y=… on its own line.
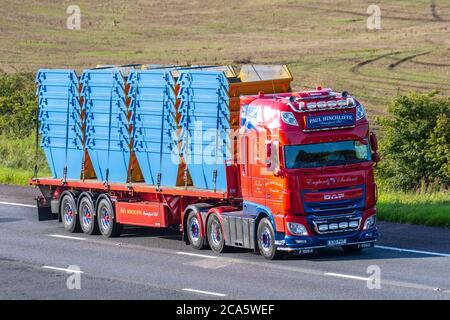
x=155, y=264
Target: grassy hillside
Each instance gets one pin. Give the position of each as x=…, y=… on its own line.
x=324, y=42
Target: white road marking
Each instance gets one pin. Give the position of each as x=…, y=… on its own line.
x=66, y=237
x=62, y=269
x=195, y=255
x=414, y=251
x=18, y=204
x=347, y=276
x=211, y=263
x=205, y=292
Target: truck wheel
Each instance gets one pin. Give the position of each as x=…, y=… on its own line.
x=193, y=226
x=106, y=221
x=69, y=214
x=215, y=235
x=86, y=213
x=266, y=240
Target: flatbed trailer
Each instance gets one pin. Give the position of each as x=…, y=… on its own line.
x=138, y=204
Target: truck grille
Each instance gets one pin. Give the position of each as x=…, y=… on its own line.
x=316, y=205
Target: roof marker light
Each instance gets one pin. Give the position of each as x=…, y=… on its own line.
x=342, y=103
x=288, y=118
x=321, y=104
x=312, y=105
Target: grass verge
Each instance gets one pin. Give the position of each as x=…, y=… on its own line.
x=430, y=209
x=14, y=176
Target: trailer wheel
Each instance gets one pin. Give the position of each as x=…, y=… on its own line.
x=194, y=231
x=106, y=219
x=266, y=240
x=86, y=213
x=215, y=234
x=69, y=214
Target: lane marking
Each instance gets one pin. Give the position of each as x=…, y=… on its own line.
x=195, y=255
x=65, y=237
x=62, y=269
x=347, y=276
x=205, y=292
x=18, y=204
x=211, y=263
x=438, y=254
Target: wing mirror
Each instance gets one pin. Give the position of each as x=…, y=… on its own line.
x=376, y=157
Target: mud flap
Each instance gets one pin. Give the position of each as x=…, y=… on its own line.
x=44, y=209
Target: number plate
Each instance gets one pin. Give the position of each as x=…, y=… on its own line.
x=336, y=242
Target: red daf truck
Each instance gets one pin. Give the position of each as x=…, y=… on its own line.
x=302, y=179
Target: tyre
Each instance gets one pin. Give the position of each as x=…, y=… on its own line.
x=86, y=215
x=194, y=231
x=266, y=240
x=351, y=248
x=69, y=213
x=106, y=219
x=215, y=234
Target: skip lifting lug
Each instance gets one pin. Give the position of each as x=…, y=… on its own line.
x=158, y=182
x=215, y=179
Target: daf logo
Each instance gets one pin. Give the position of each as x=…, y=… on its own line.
x=333, y=196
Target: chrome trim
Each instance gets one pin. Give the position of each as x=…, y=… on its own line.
x=326, y=109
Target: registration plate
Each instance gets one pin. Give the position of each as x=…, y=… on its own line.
x=336, y=242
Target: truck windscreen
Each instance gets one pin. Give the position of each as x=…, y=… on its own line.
x=326, y=154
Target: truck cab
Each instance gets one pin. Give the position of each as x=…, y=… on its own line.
x=306, y=171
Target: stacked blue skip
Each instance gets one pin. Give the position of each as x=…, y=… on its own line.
x=106, y=123
x=205, y=126
x=154, y=126
x=60, y=122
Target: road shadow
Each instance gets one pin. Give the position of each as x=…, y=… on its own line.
x=140, y=232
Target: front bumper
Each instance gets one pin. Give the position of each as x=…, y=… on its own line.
x=306, y=250
x=308, y=244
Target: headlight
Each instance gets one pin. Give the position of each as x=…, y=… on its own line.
x=370, y=222
x=360, y=113
x=297, y=229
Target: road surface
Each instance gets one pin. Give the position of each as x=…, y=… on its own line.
x=35, y=258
